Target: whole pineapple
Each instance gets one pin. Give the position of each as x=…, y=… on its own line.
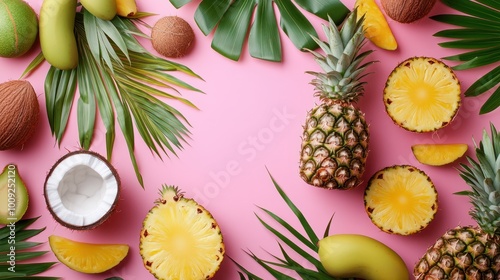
x=472, y=252
x=335, y=140
x=180, y=239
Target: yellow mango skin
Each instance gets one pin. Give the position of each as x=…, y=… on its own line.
x=103, y=9
x=57, y=39
x=359, y=256
x=126, y=8
x=375, y=26
x=438, y=154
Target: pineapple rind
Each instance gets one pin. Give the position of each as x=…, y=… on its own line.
x=180, y=239
x=472, y=251
x=335, y=139
x=334, y=147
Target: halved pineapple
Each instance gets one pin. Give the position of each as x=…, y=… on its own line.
x=180, y=239
x=422, y=94
x=87, y=257
x=375, y=26
x=438, y=154
x=401, y=199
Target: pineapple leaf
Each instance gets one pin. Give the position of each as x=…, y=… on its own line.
x=236, y=19
x=478, y=32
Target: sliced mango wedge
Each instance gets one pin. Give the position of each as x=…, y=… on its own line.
x=438, y=154
x=375, y=26
x=87, y=257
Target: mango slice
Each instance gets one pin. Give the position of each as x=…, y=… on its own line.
x=375, y=26
x=87, y=257
x=438, y=154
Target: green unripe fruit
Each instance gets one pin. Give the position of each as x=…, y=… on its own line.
x=359, y=256
x=18, y=28
x=14, y=195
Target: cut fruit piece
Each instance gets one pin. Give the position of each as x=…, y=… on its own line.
x=180, y=239
x=13, y=194
x=401, y=199
x=87, y=257
x=375, y=26
x=82, y=190
x=438, y=154
x=422, y=94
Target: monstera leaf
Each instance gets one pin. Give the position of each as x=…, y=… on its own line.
x=232, y=22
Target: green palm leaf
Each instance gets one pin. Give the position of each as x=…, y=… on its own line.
x=288, y=237
x=118, y=80
x=232, y=22
x=14, y=241
x=478, y=31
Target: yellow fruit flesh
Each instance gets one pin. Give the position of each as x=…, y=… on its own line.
x=375, y=26
x=438, y=154
x=180, y=241
x=422, y=94
x=87, y=257
x=401, y=200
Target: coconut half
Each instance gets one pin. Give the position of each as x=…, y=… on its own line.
x=81, y=190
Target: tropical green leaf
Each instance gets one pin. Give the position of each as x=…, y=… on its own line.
x=39, y=59
x=233, y=21
x=479, y=28
x=264, y=39
x=293, y=239
x=119, y=80
x=14, y=244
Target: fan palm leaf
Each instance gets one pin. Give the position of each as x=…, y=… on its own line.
x=118, y=80
x=477, y=32
x=17, y=253
x=302, y=244
x=232, y=22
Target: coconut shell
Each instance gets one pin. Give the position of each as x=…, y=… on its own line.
x=172, y=36
x=407, y=11
x=19, y=113
x=114, y=173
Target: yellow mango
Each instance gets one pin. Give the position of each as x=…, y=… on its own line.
x=375, y=26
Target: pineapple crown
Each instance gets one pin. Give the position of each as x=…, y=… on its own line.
x=483, y=176
x=341, y=61
x=169, y=192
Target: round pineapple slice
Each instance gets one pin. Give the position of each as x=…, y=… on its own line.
x=422, y=94
x=180, y=239
x=87, y=257
x=438, y=154
x=401, y=199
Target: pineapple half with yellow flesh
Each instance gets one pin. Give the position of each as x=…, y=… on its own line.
x=422, y=94
x=335, y=140
x=401, y=199
x=180, y=239
x=471, y=251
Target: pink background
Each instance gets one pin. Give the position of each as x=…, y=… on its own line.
x=240, y=131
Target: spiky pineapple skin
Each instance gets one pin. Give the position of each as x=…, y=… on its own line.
x=461, y=253
x=334, y=146
x=173, y=195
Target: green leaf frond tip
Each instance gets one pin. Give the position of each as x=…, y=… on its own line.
x=233, y=22
x=476, y=29
x=303, y=246
x=119, y=81
x=18, y=255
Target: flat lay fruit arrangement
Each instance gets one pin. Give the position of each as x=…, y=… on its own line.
x=249, y=139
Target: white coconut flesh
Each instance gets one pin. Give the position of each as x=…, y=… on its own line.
x=81, y=190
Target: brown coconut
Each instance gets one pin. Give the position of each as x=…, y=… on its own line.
x=19, y=113
x=172, y=36
x=407, y=11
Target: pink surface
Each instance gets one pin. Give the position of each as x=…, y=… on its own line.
x=251, y=119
